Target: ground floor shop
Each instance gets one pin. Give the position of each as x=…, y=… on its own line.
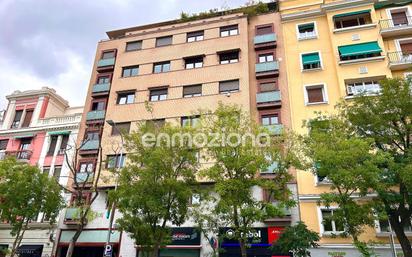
x=91, y=243
x=350, y=251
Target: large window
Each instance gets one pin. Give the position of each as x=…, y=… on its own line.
x=229, y=31
x=229, y=57
x=130, y=71
x=133, y=46
x=17, y=118
x=164, y=41
x=228, y=86
x=190, y=121
x=194, y=62
x=92, y=135
x=329, y=224
x=267, y=86
x=63, y=145
x=108, y=54
x=363, y=87
x=311, y=61
x=3, y=144
x=195, y=36
x=267, y=57
x=116, y=161
x=315, y=94
x=52, y=146
x=99, y=105
x=263, y=30
x=56, y=172
x=158, y=94
x=307, y=31
x=192, y=90
x=103, y=79
x=161, y=67
x=353, y=19
x=121, y=128
x=269, y=119
x=86, y=167
x=125, y=98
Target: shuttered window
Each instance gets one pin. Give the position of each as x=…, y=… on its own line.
x=229, y=86
x=268, y=86
x=193, y=90
x=27, y=118
x=264, y=30
x=133, y=46
x=164, y=41
x=315, y=94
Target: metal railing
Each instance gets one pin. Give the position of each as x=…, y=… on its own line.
x=395, y=23
x=307, y=35
x=21, y=154
x=399, y=58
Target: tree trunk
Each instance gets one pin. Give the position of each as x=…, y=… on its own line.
x=73, y=241
x=400, y=234
x=243, y=251
x=155, y=252
x=19, y=237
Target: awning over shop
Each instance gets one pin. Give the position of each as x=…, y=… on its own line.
x=52, y=133
x=90, y=236
x=359, y=49
x=351, y=14
x=310, y=58
x=30, y=250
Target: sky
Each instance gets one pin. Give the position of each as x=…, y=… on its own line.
x=52, y=43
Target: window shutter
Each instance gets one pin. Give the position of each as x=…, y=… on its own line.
x=406, y=48
x=264, y=30
x=131, y=46
x=190, y=90
x=164, y=41
x=231, y=85
x=399, y=18
x=315, y=95
x=265, y=87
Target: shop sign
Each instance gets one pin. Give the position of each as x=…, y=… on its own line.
x=337, y=254
x=185, y=236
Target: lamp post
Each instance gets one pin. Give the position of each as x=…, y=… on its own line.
x=113, y=207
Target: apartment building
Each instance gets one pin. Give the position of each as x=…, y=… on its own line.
x=179, y=67
x=336, y=49
x=38, y=127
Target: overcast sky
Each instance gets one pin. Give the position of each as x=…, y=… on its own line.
x=52, y=42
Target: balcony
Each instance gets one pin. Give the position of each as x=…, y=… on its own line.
x=101, y=88
x=275, y=129
x=90, y=145
x=84, y=177
x=72, y=216
x=106, y=62
x=391, y=28
x=61, y=120
x=265, y=41
x=399, y=60
x=267, y=99
x=266, y=69
x=95, y=115
x=22, y=155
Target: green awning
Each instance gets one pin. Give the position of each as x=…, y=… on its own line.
x=310, y=58
x=387, y=4
x=90, y=236
x=358, y=49
x=351, y=14
x=307, y=26
x=24, y=136
x=59, y=133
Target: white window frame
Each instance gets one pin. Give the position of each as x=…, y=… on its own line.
x=307, y=38
x=312, y=52
x=324, y=91
x=320, y=221
x=326, y=181
x=363, y=83
x=407, y=8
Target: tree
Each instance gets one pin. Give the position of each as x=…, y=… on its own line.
x=348, y=163
x=25, y=192
x=156, y=185
x=387, y=120
x=297, y=239
x=238, y=154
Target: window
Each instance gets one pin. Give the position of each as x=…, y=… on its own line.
x=190, y=121
x=266, y=57
x=130, y=71
x=17, y=118
x=359, y=51
x=52, y=146
x=27, y=118
x=400, y=17
x=315, y=94
x=329, y=225
x=306, y=31
x=158, y=94
x=121, y=128
x=57, y=171
x=125, y=98
x=229, y=31
x=46, y=170
x=161, y=67
x=98, y=105
x=193, y=90
x=115, y=161
x=263, y=30
x=3, y=144
x=157, y=123
x=384, y=225
x=228, y=86
x=195, y=36
x=92, y=135
x=229, y=57
x=195, y=199
x=267, y=86
x=311, y=61
x=270, y=119
x=354, y=19
x=194, y=62
x=63, y=145
x=164, y=41
x=133, y=46
x=108, y=55
x=103, y=80
x=363, y=87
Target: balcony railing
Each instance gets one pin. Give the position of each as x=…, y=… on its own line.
x=307, y=35
x=268, y=97
x=399, y=58
x=267, y=67
x=72, y=215
x=263, y=39
x=106, y=62
x=391, y=24
x=75, y=118
x=95, y=115
x=275, y=129
x=23, y=155
x=84, y=177
x=100, y=88
x=90, y=145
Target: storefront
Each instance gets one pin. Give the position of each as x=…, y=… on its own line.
x=29, y=250
x=90, y=243
x=260, y=240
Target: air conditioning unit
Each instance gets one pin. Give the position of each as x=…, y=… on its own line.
x=355, y=37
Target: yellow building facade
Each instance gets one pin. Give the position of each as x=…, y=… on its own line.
x=334, y=50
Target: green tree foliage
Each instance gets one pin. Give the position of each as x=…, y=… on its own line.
x=235, y=171
x=24, y=193
x=155, y=187
x=297, y=239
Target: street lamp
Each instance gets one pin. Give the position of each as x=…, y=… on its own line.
x=113, y=208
